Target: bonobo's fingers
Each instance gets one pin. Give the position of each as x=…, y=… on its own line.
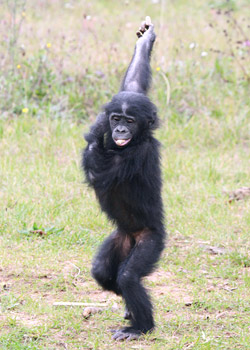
x=148, y=22
x=92, y=146
x=145, y=26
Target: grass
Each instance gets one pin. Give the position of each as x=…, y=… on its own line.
x=201, y=290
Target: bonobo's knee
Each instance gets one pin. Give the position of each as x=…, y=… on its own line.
x=97, y=272
x=105, y=277
x=126, y=280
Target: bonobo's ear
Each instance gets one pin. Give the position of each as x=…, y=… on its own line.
x=153, y=119
x=151, y=122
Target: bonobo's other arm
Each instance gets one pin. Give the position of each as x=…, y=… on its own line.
x=138, y=75
x=97, y=130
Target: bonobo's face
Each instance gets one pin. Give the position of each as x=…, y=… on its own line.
x=131, y=116
x=123, y=128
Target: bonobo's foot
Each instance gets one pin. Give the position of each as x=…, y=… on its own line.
x=127, y=334
x=146, y=27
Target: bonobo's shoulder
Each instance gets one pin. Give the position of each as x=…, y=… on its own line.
x=153, y=142
x=149, y=144
x=148, y=149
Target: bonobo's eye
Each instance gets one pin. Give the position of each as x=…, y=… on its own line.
x=117, y=118
x=130, y=120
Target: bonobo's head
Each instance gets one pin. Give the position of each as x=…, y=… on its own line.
x=131, y=116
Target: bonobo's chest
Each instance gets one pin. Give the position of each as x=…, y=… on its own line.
x=120, y=194
x=121, y=199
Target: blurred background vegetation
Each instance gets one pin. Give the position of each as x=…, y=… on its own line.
x=63, y=59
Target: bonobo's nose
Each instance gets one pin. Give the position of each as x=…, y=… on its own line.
x=121, y=129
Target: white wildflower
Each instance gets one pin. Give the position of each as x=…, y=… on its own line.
x=204, y=54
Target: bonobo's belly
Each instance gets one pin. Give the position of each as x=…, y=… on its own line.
x=121, y=205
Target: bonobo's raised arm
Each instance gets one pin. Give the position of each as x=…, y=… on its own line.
x=138, y=75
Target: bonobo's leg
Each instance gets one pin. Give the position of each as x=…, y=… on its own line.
x=105, y=266
x=127, y=314
x=138, y=264
x=138, y=75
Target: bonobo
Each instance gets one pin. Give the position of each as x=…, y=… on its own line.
x=121, y=163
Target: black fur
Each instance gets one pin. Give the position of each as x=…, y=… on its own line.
x=127, y=183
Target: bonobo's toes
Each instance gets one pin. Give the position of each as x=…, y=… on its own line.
x=113, y=330
x=126, y=334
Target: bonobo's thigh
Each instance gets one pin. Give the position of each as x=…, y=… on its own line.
x=144, y=255
x=112, y=252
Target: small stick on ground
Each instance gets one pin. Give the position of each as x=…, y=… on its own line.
x=72, y=303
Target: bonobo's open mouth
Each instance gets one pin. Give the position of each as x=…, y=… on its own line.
x=121, y=142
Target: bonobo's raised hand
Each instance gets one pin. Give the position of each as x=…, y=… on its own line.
x=146, y=27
